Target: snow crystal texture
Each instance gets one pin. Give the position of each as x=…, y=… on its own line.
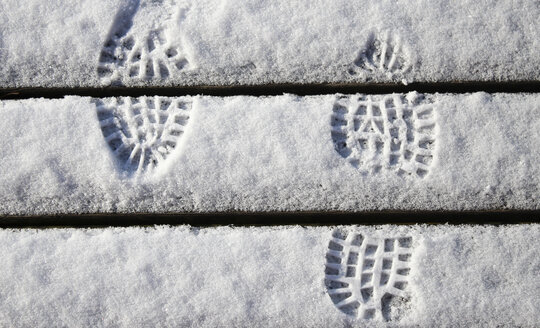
x=193, y=42
x=285, y=153
x=420, y=276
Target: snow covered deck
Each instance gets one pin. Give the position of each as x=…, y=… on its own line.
x=207, y=42
x=457, y=276
x=286, y=153
x=426, y=109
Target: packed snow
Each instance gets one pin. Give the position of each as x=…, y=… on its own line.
x=285, y=153
x=192, y=42
x=457, y=276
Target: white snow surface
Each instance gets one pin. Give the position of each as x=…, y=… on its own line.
x=270, y=154
x=63, y=43
x=460, y=276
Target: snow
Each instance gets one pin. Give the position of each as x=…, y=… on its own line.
x=202, y=154
x=459, y=276
x=211, y=154
x=66, y=44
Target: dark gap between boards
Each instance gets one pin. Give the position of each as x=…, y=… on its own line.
x=274, y=89
x=274, y=219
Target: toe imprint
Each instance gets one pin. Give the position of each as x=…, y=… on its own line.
x=136, y=52
x=383, y=54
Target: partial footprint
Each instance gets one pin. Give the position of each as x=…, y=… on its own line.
x=367, y=277
x=142, y=132
x=383, y=54
x=392, y=132
x=140, y=49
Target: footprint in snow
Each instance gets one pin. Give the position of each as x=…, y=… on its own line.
x=142, y=132
x=140, y=46
x=367, y=277
x=383, y=54
x=392, y=132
